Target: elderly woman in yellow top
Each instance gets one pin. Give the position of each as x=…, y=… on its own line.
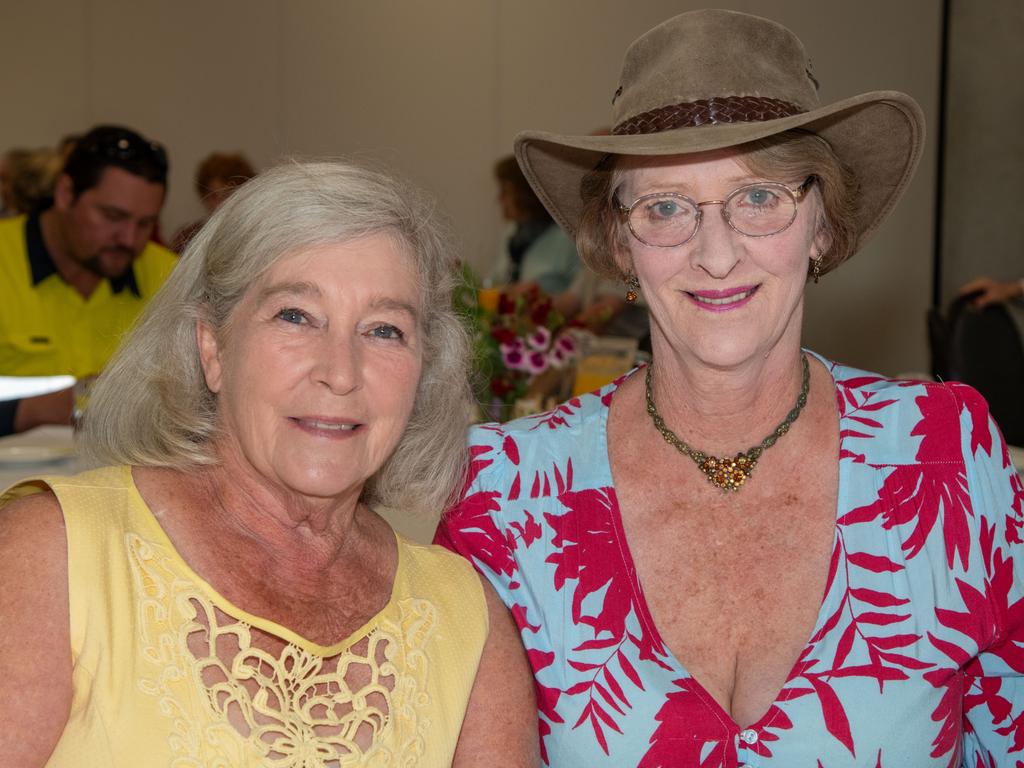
x=223, y=592
x=745, y=554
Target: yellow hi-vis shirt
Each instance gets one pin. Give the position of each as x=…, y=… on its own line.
x=46, y=326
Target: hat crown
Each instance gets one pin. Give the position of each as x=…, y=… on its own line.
x=713, y=54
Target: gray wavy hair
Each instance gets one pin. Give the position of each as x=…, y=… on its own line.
x=151, y=406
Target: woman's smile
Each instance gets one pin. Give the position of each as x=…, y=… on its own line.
x=722, y=300
x=325, y=427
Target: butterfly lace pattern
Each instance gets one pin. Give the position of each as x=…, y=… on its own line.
x=238, y=695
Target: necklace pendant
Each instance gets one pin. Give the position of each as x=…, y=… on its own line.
x=728, y=474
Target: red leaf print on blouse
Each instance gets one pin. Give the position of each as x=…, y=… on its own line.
x=589, y=553
x=519, y=615
x=1008, y=618
x=547, y=698
x=969, y=398
x=857, y=411
x=863, y=623
x=1015, y=521
x=917, y=494
x=528, y=531
x=873, y=563
x=860, y=613
x=477, y=537
x=556, y=417
x=469, y=528
x=993, y=625
x=939, y=427
x=920, y=492
x=985, y=692
x=948, y=713
x=1015, y=727
x=836, y=721
x=604, y=692
x=832, y=711
x=685, y=727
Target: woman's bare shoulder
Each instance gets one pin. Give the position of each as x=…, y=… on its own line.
x=33, y=555
x=34, y=522
x=35, y=646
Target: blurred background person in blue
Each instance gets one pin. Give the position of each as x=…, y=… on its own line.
x=537, y=251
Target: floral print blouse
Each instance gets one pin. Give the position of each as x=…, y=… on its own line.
x=918, y=650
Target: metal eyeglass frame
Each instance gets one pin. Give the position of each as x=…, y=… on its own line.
x=797, y=194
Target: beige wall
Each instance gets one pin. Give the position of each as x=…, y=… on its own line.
x=981, y=232
x=437, y=90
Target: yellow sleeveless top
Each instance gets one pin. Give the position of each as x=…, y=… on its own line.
x=169, y=673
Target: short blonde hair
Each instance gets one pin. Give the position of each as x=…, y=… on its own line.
x=792, y=154
x=151, y=406
x=32, y=174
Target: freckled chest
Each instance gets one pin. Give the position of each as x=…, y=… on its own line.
x=733, y=581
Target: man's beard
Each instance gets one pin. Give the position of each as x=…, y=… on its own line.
x=95, y=263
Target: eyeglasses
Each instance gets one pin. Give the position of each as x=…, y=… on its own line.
x=126, y=146
x=670, y=219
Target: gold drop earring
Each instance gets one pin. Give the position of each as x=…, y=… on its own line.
x=632, y=288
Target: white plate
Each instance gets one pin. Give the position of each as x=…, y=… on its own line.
x=34, y=454
x=14, y=387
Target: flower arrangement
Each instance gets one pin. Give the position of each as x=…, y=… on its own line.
x=521, y=347
x=532, y=339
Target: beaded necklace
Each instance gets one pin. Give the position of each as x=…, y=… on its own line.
x=729, y=474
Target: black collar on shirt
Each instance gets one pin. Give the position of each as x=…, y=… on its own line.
x=42, y=266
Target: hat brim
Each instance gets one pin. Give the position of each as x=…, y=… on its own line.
x=878, y=135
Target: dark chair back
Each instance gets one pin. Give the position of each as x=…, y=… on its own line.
x=983, y=348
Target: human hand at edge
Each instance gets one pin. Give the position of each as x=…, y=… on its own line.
x=992, y=291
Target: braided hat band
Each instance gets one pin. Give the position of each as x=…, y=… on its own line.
x=714, y=111
x=715, y=79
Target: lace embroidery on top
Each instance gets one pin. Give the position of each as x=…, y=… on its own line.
x=237, y=694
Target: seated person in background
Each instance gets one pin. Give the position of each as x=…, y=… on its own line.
x=74, y=278
x=540, y=253
x=224, y=592
x=979, y=340
x=28, y=179
x=993, y=291
x=537, y=252
x=216, y=178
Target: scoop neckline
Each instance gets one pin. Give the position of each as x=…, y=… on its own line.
x=639, y=593
x=264, y=624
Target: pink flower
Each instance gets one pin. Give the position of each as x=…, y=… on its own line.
x=513, y=358
x=540, y=339
x=567, y=344
x=557, y=358
x=536, y=362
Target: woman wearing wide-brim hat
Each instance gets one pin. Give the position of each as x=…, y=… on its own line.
x=744, y=553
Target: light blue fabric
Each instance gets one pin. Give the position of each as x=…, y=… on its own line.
x=917, y=655
x=551, y=261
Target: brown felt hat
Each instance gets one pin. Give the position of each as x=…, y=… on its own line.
x=712, y=79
